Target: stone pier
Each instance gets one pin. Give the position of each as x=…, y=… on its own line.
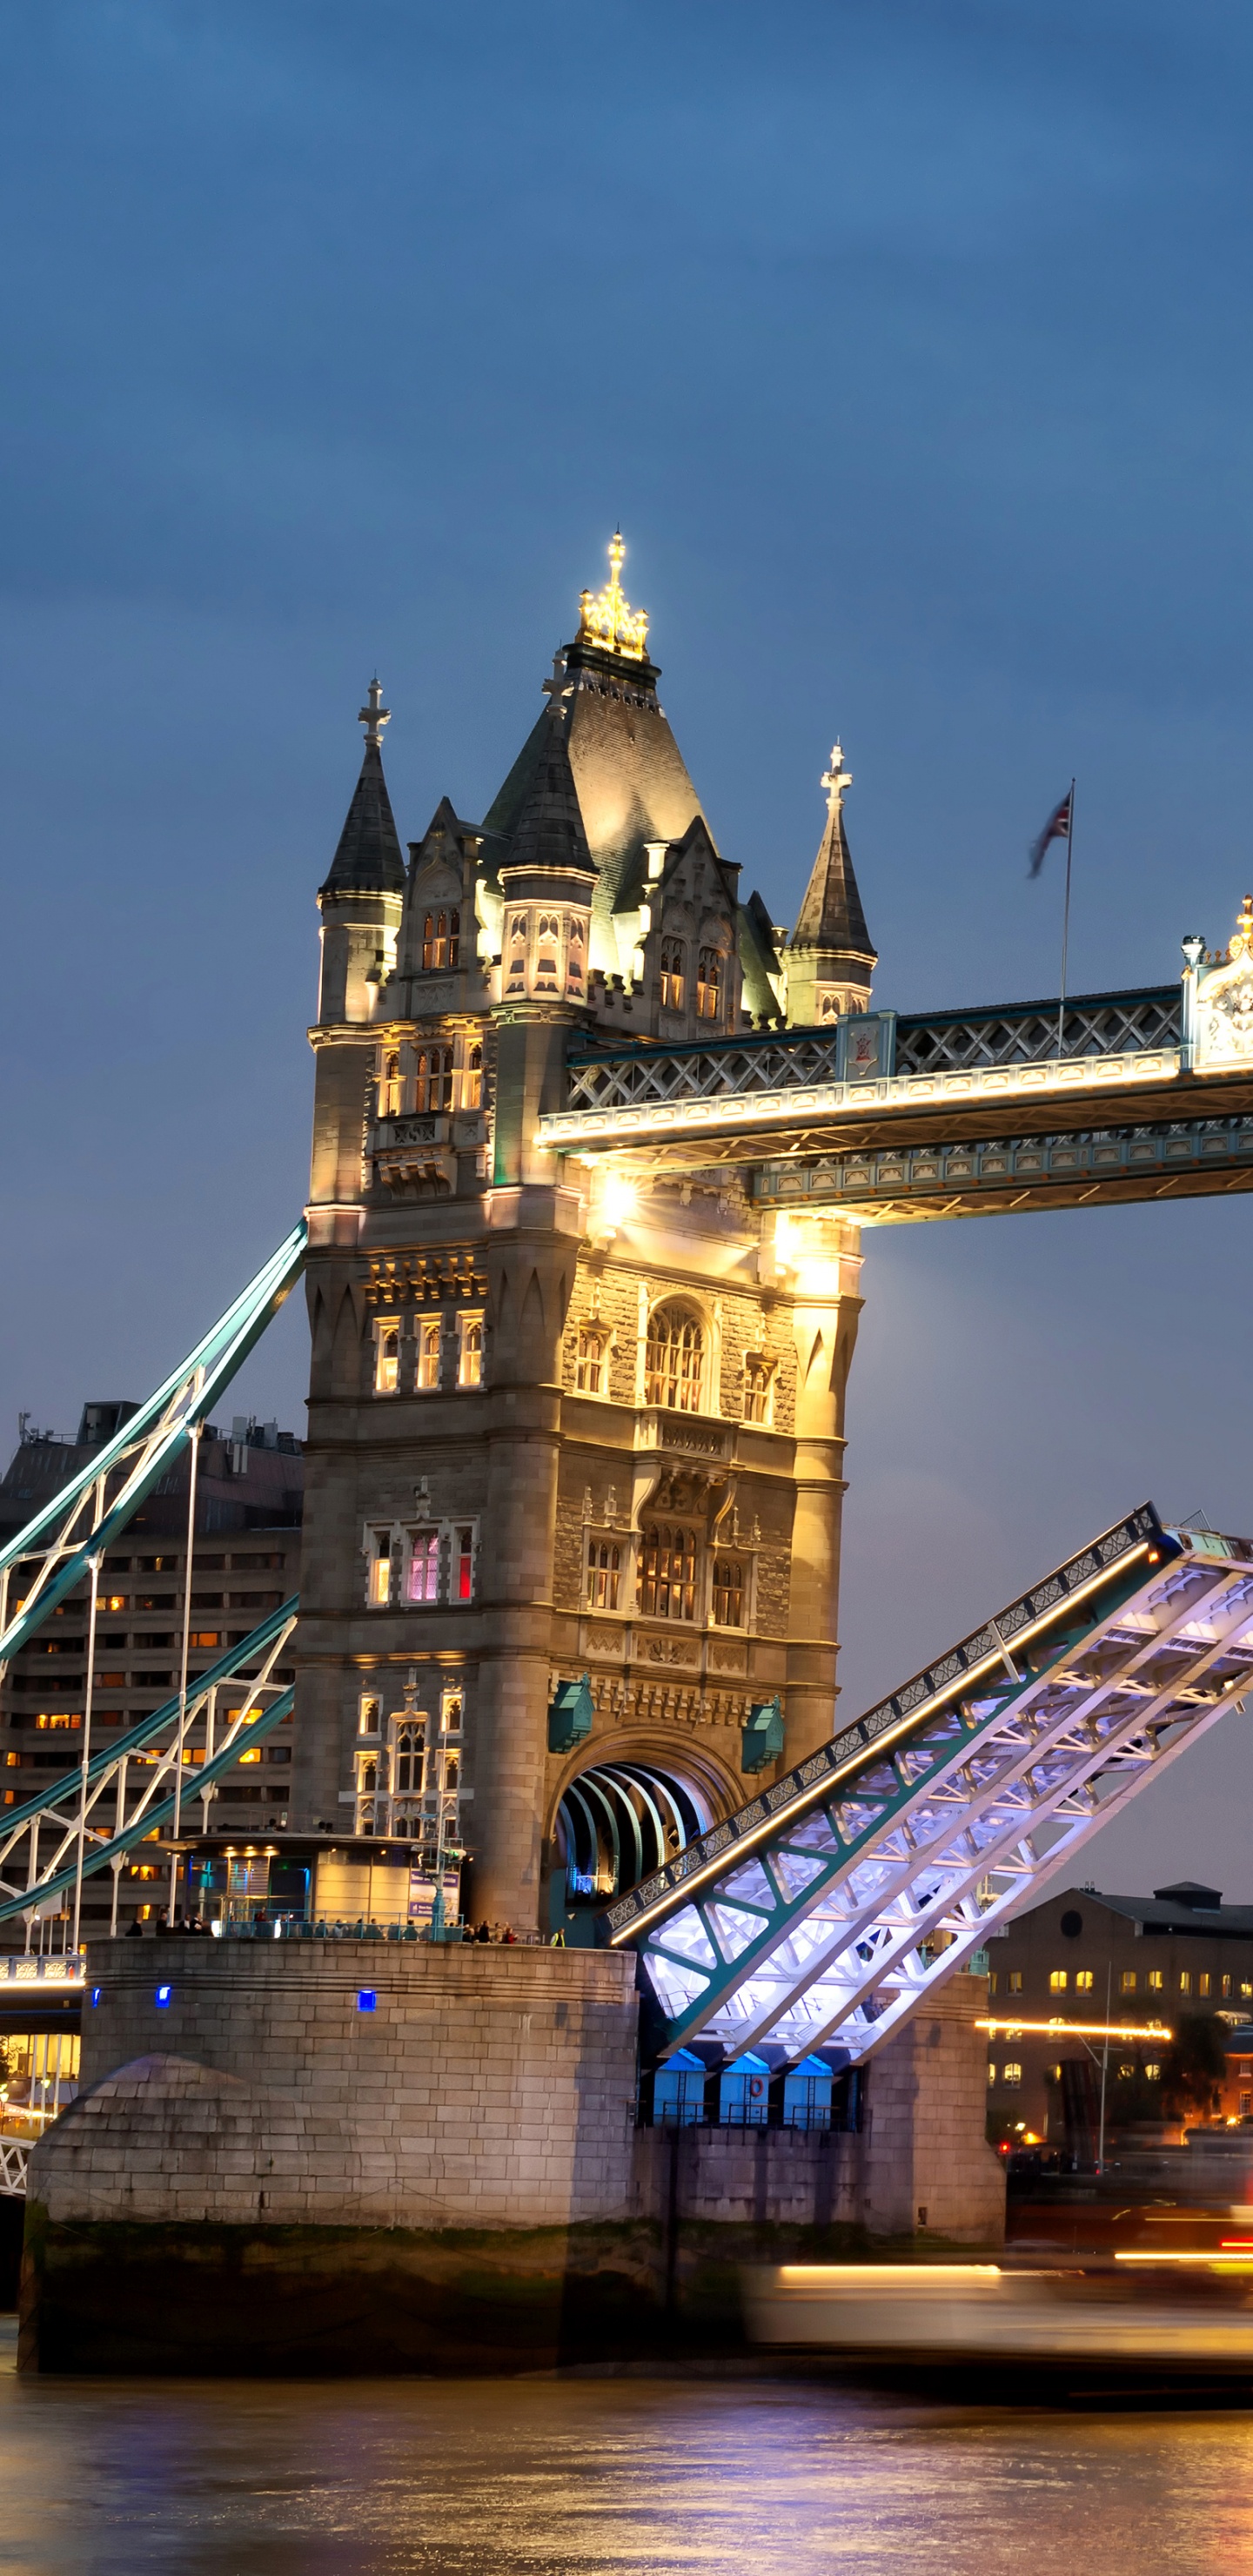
x=371, y=2156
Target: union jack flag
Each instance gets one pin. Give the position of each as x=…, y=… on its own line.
x=1057, y=828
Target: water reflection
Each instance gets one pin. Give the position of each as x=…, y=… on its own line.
x=609, y=2477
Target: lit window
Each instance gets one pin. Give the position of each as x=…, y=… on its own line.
x=390, y=1088
x=472, y=1080
x=1083, y=1981
x=368, y=1715
x=381, y=1570
x=387, y=1359
x=668, y=1574
x=992, y=1981
x=423, y=1565
x=1012, y=2072
x=199, y=1637
x=430, y=1336
x=1203, y=1982
x=433, y=1086
x=1154, y=2072
x=451, y=1711
x=1127, y=1982
x=991, y=2074
x=604, y=1564
x=58, y=1722
x=407, y=1771
x=1246, y=1987
x=13, y=1761
x=1058, y=1981
x=728, y=1592
x=251, y=1754
x=1013, y=1982
x=441, y=941
x=469, y=1350
x=1156, y=1980
x=830, y=1007
x=674, y=1359
x=1185, y=1981
x=463, y=1565
x=757, y=1388
x=673, y=965
x=1125, y=2072
x=708, y=984
x=1246, y=2105
x=590, y=1370
x=1226, y=1989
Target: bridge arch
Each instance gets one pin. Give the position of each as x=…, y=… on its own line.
x=622, y=1815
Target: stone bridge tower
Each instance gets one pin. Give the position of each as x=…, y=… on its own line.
x=575, y=1462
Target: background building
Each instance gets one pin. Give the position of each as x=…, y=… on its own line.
x=1086, y=1957
x=575, y=1463
x=245, y=1561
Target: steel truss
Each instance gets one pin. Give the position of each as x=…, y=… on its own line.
x=903, y=1843
x=139, y=1782
x=69, y=1536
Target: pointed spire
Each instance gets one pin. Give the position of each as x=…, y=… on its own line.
x=368, y=859
x=831, y=917
x=549, y=832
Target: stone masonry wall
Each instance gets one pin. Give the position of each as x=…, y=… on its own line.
x=488, y=2087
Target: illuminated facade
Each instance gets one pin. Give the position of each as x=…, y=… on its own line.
x=575, y=1470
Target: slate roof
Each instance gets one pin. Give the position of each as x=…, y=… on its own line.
x=548, y=829
x=368, y=859
x=831, y=916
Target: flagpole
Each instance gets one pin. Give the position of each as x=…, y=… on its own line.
x=1070, y=843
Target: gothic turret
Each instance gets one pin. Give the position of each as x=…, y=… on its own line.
x=830, y=959
x=547, y=881
x=360, y=901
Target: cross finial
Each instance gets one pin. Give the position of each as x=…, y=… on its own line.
x=835, y=780
x=554, y=688
x=375, y=715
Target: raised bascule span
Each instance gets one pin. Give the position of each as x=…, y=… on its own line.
x=825, y=1911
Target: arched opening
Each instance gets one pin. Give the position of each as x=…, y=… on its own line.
x=674, y=1359
x=617, y=1822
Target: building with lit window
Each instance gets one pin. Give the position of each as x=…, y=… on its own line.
x=245, y=1562
x=575, y=1463
x=1085, y=1962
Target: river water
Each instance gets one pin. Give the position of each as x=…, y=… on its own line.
x=602, y=2477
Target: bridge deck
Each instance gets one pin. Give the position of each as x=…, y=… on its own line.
x=826, y=1909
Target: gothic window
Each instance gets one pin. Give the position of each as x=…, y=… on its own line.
x=548, y=940
x=451, y=1712
x=390, y=1087
x=430, y=1336
x=708, y=984
x=386, y=1358
x=472, y=1080
x=758, y=1391
x=668, y=1573
x=574, y=952
x=463, y=1564
x=407, y=1772
x=673, y=964
x=369, y=1778
x=604, y=1564
x=380, y=1575
x=441, y=941
x=830, y=1006
x=517, y=959
x=423, y=1584
x=368, y=1714
x=469, y=1350
x=728, y=1593
x=433, y=1089
x=674, y=1359
x=591, y=1365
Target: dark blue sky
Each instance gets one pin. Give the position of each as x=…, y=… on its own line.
x=911, y=344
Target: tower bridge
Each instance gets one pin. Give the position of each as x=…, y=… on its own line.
x=593, y=1139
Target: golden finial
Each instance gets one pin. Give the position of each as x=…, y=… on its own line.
x=835, y=780
x=1241, y=943
x=606, y=620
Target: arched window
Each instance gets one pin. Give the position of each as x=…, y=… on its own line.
x=548, y=946
x=674, y=1359
x=433, y=1089
x=830, y=1006
x=390, y=1087
x=604, y=1565
x=728, y=1592
x=673, y=966
x=668, y=1573
x=708, y=984
x=591, y=1366
x=380, y=1579
x=469, y=1350
x=472, y=1080
x=369, y=1779
x=758, y=1389
x=407, y=1775
x=441, y=941
x=423, y=1582
x=387, y=1359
